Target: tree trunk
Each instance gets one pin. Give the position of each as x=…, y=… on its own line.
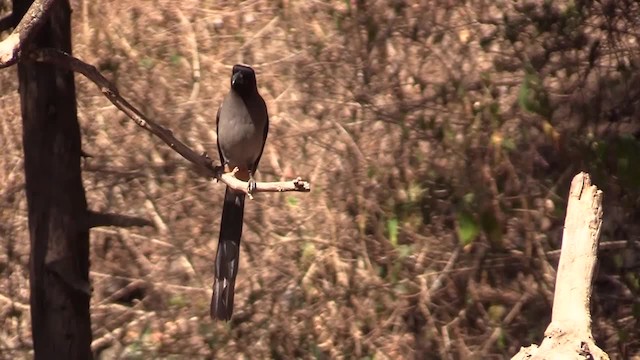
x=59, y=272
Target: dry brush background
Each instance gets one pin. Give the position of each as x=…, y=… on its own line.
x=440, y=138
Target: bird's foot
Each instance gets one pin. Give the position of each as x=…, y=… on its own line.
x=251, y=188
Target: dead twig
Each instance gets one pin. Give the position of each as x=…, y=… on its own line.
x=193, y=44
x=203, y=163
x=162, y=285
x=569, y=334
x=96, y=219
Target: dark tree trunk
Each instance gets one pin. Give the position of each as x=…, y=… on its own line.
x=59, y=273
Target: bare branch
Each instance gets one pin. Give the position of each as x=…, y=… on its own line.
x=280, y=186
x=569, y=334
x=578, y=258
x=12, y=47
x=96, y=219
x=203, y=163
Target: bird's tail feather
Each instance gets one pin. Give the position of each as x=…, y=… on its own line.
x=227, y=255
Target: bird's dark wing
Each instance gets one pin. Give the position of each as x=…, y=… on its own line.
x=261, y=110
x=222, y=161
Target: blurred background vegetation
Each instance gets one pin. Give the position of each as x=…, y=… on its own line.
x=440, y=138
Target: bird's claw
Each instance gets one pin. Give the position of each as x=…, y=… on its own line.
x=251, y=188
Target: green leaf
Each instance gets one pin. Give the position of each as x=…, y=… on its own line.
x=404, y=251
x=175, y=59
x=308, y=254
x=532, y=96
x=292, y=201
x=491, y=227
x=415, y=192
x=525, y=94
x=371, y=172
x=392, y=229
x=468, y=228
x=177, y=301
x=508, y=144
x=496, y=313
x=147, y=63
x=468, y=198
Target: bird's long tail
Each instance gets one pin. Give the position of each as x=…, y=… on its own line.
x=227, y=256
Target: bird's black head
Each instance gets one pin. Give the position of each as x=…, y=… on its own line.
x=243, y=79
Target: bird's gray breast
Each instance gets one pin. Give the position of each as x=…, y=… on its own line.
x=240, y=135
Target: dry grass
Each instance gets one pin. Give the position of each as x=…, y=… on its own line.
x=404, y=125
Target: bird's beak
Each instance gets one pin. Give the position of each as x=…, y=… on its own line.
x=236, y=79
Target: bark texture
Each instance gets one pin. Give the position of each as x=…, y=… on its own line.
x=59, y=273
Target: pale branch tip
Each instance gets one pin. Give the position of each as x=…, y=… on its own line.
x=203, y=163
x=569, y=333
x=12, y=47
x=9, y=50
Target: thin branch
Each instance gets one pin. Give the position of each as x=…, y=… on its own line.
x=96, y=219
x=576, y=268
x=159, y=223
x=203, y=163
x=445, y=271
x=159, y=284
x=12, y=47
x=193, y=44
x=126, y=291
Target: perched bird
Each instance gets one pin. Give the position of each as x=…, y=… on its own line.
x=242, y=127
